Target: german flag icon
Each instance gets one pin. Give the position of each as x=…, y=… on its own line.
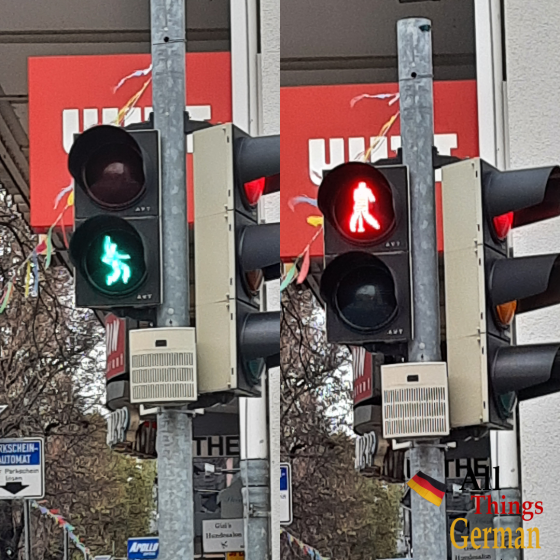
x=428, y=487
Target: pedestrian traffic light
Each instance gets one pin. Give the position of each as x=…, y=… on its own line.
x=115, y=246
x=485, y=288
x=233, y=255
x=366, y=283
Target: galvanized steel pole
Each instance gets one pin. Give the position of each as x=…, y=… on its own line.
x=174, y=435
x=414, y=35
x=27, y=528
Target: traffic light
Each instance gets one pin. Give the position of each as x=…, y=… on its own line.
x=485, y=288
x=366, y=283
x=233, y=255
x=115, y=246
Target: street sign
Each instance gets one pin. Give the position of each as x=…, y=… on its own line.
x=222, y=535
x=286, y=514
x=141, y=548
x=22, y=468
x=115, y=332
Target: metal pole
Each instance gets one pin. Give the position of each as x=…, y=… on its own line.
x=27, y=526
x=414, y=35
x=255, y=474
x=174, y=435
x=65, y=543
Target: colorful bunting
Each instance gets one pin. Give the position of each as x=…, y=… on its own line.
x=55, y=514
x=304, y=259
x=305, y=547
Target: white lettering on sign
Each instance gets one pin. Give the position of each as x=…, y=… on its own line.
x=357, y=148
x=144, y=547
x=366, y=448
x=216, y=446
x=90, y=117
x=113, y=336
x=118, y=423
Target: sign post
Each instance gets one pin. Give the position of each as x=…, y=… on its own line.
x=22, y=468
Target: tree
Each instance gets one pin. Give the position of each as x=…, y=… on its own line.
x=51, y=364
x=337, y=511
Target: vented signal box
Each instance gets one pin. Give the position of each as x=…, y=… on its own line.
x=415, y=400
x=163, y=365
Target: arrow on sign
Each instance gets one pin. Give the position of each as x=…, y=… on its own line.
x=14, y=487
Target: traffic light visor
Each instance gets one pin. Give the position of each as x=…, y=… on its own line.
x=358, y=201
x=362, y=290
x=110, y=253
x=531, y=195
x=108, y=164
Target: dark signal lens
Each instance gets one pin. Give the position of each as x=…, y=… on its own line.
x=114, y=176
x=366, y=297
x=254, y=280
x=503, y=225
x=254, y=190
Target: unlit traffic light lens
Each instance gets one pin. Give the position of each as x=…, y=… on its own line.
x=366, y=298
x=114, y=175
x=115, y=261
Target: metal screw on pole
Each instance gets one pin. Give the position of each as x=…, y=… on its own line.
x=414, y=36
x=174, y=435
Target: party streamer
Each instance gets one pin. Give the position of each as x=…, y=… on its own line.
x=309, y=550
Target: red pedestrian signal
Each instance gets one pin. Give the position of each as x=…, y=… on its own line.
x=366, y=282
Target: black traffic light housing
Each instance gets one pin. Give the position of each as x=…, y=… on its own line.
x=518, y=285
x=115, y=246
x=366, y=285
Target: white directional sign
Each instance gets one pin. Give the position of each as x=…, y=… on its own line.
x=285, y=494
x=22, y=468
x=222, y=535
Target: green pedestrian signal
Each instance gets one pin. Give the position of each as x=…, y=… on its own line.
x=116, y=244
x=112, y=257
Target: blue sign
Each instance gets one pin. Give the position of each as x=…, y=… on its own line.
x=20, y=453
x=22, y=468
x=143, y=547
x=286, y=515
x=284, y=478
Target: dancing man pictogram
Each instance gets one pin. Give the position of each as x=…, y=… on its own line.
x=362, y=198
